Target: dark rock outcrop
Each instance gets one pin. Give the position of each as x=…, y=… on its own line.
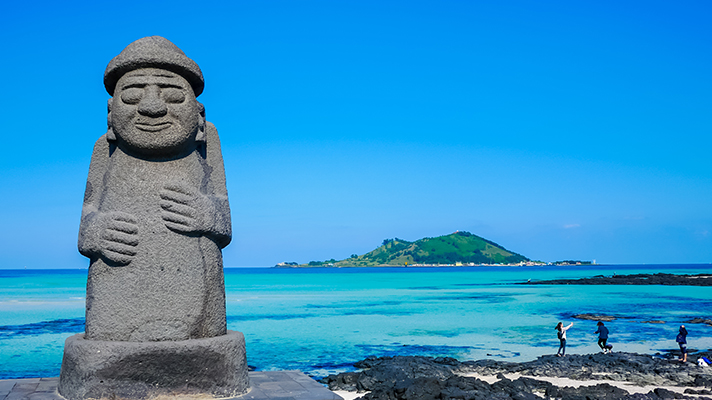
x=699, y=321
x=595, y=317
x=421, y=378
x=635, y=279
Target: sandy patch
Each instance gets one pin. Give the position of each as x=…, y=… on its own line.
x=348, y=395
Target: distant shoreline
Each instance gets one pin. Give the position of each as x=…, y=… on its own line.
x=530, y=264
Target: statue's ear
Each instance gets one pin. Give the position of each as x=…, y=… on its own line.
x=110, y=135
x=201, y=136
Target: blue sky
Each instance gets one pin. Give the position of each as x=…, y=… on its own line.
x=557, y=129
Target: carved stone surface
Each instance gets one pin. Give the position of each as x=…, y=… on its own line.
x=156, y=213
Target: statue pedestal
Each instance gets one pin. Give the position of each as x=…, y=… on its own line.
x=215, y=366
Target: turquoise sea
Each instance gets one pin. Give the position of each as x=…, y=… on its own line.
x=321, y=320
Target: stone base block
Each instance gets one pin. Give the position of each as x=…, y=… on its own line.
x=93, y=369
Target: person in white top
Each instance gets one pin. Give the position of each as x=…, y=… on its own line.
x=562, y=338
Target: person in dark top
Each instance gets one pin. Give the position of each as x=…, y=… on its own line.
x=682, y=341
x=602, y=337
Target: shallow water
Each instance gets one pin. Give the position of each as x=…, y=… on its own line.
x=322, y=320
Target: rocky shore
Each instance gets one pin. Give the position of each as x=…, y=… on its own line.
x=598, y=376
x=635, y=279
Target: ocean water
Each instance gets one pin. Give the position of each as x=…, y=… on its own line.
x=322, y=320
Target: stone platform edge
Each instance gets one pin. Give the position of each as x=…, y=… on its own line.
x=264, y=385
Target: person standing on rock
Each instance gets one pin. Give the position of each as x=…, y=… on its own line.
x=682, y=341
x=602, y=332
x=562, y=337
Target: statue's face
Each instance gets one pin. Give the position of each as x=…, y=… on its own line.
x=154, y=114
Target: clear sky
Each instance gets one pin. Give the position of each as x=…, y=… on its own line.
x=558, y=129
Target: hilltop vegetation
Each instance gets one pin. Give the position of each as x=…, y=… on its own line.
x=456, y=248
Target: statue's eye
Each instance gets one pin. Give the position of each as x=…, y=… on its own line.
x=131, y=95
x=173, y=95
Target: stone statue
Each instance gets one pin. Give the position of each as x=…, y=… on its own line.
x=154, y=221
x=155, y=211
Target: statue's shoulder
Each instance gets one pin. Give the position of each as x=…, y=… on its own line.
x=211, y=130
x=212, y=139
x=101, y=148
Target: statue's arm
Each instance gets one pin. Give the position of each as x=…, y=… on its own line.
x=217, y=188
x=89, y=242
x=204, y=210
x=113, y=235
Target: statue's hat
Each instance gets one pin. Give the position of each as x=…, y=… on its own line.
x=153, y=52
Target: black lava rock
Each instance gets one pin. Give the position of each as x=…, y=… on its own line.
x=426, y=378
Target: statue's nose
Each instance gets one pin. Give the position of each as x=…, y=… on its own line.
x=151, y=104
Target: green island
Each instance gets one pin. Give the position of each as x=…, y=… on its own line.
x=456, y=249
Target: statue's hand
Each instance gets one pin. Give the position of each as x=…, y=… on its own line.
x=185, y=209
x=119, y=237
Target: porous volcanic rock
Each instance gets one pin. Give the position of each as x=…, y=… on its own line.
x=595, y=317
x=421, y=378
x=699, y=320
x=634, y=279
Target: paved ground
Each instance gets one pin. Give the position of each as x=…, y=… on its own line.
x=267, y=385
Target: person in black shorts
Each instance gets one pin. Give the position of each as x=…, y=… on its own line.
x=602, y=336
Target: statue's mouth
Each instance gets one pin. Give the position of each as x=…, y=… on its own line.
x=152, y=127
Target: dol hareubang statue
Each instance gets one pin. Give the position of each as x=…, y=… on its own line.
x=154, y=221
x=156, y=211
